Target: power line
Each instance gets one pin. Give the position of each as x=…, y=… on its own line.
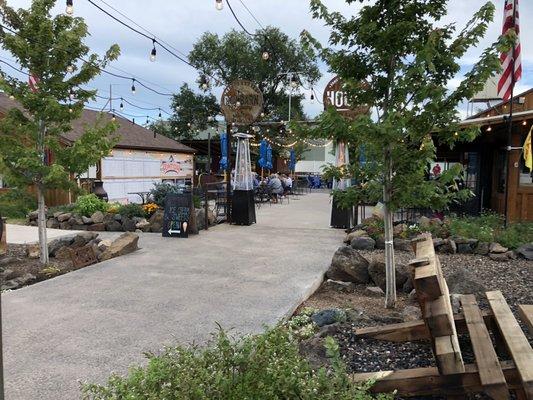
x=153, y=39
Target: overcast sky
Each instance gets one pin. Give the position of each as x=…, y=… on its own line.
x=181, y=23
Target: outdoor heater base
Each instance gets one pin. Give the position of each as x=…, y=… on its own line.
x=340, y=218
x=243, y=207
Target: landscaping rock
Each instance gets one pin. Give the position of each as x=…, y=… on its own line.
x=113, y=226
x=327, y=317
x=157, y=218
x=104, y=245
x=155, y=227
x=33, y=250
x=349, y=266
x=52, y=223
x=380, y=243
x=411, y=313
x=98, y=217
x=525, y=251
x=128, y=224
x=397, y=230
x=117, y=217
x=81, y=239
x=355, y=234
x=497, y=248
x=374, y=291
x=339, y=286
x=124, y=244
x=464, y=282
x=97, y=227
x=7, y=260
x=403, y=245
x=64, y=225
x=328, y=330
x=143, y=225
x=500, y=257
x=448, y=247
x=482, y=248
x=464, y=245
x=17, y=282
x=314, y=351
x=56, y=244
x=32, y=216
x=64, y=217
x=376, y=271
x=86, y=220
x=424, y=223
x=363, y=243
x=437, y=242
x=512, y=255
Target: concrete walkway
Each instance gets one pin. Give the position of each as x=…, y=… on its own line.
x=22, y=234
x=91, y=322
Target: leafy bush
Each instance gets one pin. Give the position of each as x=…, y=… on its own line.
x=266, y=366
x=472, y=228
x=150, y=208
x=515, y=235
x=160, y=191
x=88, y=204
x=131, y=210
x=64, y=208
x=16, y=203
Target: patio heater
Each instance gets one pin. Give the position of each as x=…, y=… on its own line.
x=341, y=218
x=243, y=207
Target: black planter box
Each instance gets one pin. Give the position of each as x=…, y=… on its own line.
x=243, y=207
x=340, y=218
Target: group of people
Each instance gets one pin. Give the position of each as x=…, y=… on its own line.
x=278, y=184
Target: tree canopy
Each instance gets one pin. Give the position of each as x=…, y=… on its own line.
x=237, y=55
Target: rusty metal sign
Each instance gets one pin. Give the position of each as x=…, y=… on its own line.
x=241, y=102
x=335, y=96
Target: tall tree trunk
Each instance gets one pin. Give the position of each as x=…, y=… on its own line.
x=41, y=222
x=390, y=270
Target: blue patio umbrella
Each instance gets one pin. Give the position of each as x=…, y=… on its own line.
x=292, y=160
x=262, y=154
x=269, y=157
x=223, y=151
x=362, y=155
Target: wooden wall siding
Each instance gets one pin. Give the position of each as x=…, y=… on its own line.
x=504, y=108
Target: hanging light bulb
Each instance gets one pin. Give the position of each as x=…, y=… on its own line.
x=70, y=68
x=133, y=121
x=524, y=122
x=294, y=81
x=153, y=53
x=265, y=56
x=312, y=98
x=189, y=124
x=204, y=82
x=210, y=119
x=70, y=7
x=489, y=128
x=121, y=104
x=219, y=5
x=70, y=108
x=238, y=104
x=147, y=120
x=71, y=94
x=133, y=85
x=113, y=118
x=159, y=113
x=262, y=115
x=178, y=108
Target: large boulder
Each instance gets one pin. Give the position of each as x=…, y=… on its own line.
x=448, y=247
x=113, y=226
x=525, y=251
x=465, y=282
x=86, y=220
x=124, y=244
x=363, y=243
x=376, y=270
x=128, y=224
x=98, y=217
x=81, y=239
x=349, y=266
x=403, y=245
x=52, y=223
x=56, y=244
x=157, y=218
x=465, y=245
x=64, y=217
x=482, y=248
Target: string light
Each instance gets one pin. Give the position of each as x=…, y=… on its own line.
x=70, y=108
x=204, y=82
x=294, y=81
x=489, y=128
x=312, y=98
x=121, y=104
x=133, y=121
x=153, y=53
x=113, y=118
x=219, y=5
x=70, y=68
x=133, y=85
x=159, y=113
x=524, y=122
x=70, y=7
x=265, y=56
x=147, y=120
x=71, y=94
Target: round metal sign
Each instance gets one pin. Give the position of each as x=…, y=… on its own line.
x=335, y=96
x=241, y=102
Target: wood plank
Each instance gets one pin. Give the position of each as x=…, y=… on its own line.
x=426, y=280
x=526, y=315
x=490, y=372
x=412, y=330
x=438, y=318
x=428, y=381
x=515, y=340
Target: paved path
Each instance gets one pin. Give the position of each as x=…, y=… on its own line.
x=88, y=323
x=22, y=234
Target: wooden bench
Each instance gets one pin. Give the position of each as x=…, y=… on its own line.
x=440, y=326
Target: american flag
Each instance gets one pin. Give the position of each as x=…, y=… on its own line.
x=510, y=21
x=33, y=82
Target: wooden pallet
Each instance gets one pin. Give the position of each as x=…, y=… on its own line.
x=440, y=326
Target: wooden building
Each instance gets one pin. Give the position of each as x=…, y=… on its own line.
x=139, y=159
x=486, y=160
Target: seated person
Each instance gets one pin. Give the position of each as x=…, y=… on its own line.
x=275, y=186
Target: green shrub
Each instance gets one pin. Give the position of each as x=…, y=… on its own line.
x=472, y=228
x=515, y=235
x=160, y=191
x=131, y=210
x=16, y=203
x=62, y=208
x=88, y=204
x=266, y=367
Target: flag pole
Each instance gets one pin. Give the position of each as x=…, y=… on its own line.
x=510, y=124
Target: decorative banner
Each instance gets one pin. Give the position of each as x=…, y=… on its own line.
x=335, y=96
x=170, y=166
x=241, y=102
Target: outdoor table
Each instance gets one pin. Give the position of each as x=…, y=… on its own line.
x=143, y=195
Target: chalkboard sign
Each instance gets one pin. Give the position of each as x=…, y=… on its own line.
x=176, y=222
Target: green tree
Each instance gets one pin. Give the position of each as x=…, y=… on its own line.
x=49, y=47
x=406, y=57
x=238, y=55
